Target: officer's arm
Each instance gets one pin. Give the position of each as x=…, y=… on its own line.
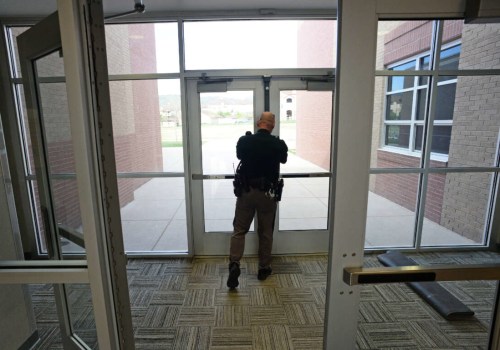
x=240, y=149
x=284, y=152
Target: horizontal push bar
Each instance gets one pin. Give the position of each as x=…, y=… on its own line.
x=285, y=176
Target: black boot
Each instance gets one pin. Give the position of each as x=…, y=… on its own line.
x=234, y=273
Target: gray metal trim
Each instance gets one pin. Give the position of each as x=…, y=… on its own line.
x=52, y=275
x=491, y=169
x=71, y=235
x=458, y=73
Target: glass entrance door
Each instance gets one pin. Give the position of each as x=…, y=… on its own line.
x=220, y=113
x=68, y=202
x=304, y=107
x=53, y=166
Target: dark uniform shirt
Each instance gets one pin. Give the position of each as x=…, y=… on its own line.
x=261, y=154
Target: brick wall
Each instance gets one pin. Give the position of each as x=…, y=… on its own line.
x=136, y=119
x=316, y=48
x=314, y=124
x=402, y=188
x=476, y=122
x=413, y=37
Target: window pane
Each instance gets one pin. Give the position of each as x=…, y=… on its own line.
x=397, y=135
x=421, y=100
x=305, y=126
x=445, y=102
x=479, y=43
x=51, y=65
x=440, y=139
x=153, y=213
x=304, y=205
x=399, y=106
x=399, y=83
x=385, y=134
x=241, y=44
x=14, y=33
x=456, y=209
x=449, y=58
x=390, y=218
x=225, y=117
x=147, y=126
x=142, y=48
x=396, y=41
x=219, y=204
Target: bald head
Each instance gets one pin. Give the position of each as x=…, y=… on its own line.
x=266, y=121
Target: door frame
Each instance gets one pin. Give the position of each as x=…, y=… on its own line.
x=357, y=21
x=217, y=243
x=212, y=243
x=82, y=40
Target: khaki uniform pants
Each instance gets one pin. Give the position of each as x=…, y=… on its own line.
x=246, y=206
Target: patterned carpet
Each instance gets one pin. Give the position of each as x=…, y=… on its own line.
x=185, y=304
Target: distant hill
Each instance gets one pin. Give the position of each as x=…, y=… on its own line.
x=172, y=102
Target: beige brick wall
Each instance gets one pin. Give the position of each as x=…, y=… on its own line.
x=474, y=138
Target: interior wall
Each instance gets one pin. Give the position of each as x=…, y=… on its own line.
x=17, y=320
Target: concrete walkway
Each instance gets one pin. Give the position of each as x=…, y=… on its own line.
x=155, y=220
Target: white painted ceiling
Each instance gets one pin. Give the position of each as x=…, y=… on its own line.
x=30, y=8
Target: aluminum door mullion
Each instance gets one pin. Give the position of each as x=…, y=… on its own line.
x=437, y=38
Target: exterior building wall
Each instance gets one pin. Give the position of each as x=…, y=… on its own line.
x=314, y=122
x=136, y=118
x=474, y=138
x=404, y=40
x=456, y=201
x=315, y=48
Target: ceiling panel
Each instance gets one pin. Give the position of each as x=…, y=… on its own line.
x=31, y=8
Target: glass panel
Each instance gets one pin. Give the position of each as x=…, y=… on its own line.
x=395, y=316
x=80, y=309
x=479, y=43
x=25, y=129
x=225, y=117
x=440, y=140
x=391, y=134
x=305, y=126
x=67, y=211
x=219, y=205
x=61, y=162
x=456, y=209
x=391, y=210
x=397, y=136
x=400, y=83
x=421, y=100
x=57, y=129
x=445, y=102
x=397, y=41
x=32, y=311
x=142, y=48
x=153, y=212
x=304, y=204
x=449, y=58
x=399, y=106
x=239, y=44
x=147, y=125
x=51, y=65
x=14, y=33
x=476, y=122
x=81, y=313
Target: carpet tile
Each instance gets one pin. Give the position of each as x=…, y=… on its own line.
x=185, y=304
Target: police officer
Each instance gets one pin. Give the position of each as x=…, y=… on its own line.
x=260, y=154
